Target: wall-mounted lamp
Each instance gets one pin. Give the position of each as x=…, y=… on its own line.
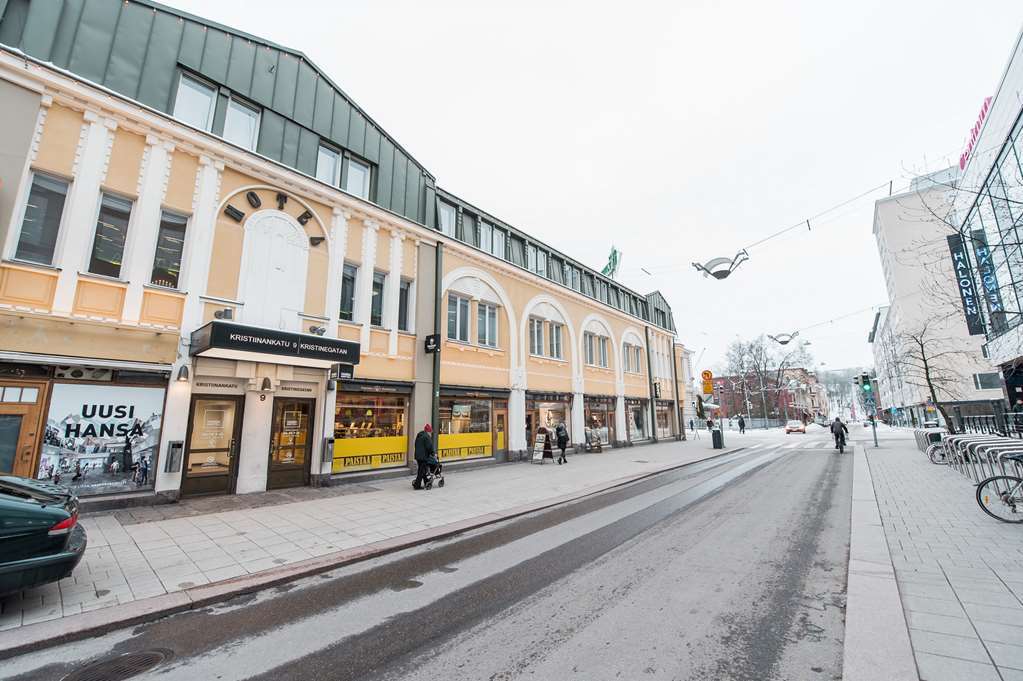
x=266, y=386
x=317, y=330
x=226, y=313
x=316, y=240
x=183, y=373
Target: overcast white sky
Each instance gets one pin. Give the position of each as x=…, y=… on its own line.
x=679, y=131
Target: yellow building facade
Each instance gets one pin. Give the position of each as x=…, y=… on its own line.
x=182, y=315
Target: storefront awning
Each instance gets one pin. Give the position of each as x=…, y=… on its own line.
x=33, y=358
x=226, y=340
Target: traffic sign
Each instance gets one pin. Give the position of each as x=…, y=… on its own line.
x=706, y=375
x=708, y=387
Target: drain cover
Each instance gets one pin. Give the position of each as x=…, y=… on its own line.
x=120, y=667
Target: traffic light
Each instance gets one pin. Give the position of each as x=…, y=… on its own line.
x=865, y=384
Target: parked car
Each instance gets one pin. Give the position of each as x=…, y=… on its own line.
x=795, y=427
x=40, y=538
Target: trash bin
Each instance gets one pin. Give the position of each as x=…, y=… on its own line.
x=717, y=439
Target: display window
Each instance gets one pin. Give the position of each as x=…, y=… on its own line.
x=547, y=414
x=102, y=439
x=638, y=416
x=370, y=431
x=663, y=421
x=599, y=416
x=465, y=429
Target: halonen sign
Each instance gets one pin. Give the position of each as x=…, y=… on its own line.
x=228, y=336
x=964, y=282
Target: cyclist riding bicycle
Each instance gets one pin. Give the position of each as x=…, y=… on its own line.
x=839, y=430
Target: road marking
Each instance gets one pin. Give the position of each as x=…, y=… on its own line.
x=792, y=446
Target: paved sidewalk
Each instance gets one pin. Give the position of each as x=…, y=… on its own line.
x=960, y=573
x=138, y=558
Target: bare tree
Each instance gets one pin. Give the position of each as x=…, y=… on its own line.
x=761, y=365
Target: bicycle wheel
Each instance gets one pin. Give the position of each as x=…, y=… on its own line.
x=936, y=453
x=1001, y=497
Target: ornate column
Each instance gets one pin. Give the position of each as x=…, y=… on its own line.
x=90, y=169
x=392, y=290
x=145, y=223
x=364, y=281
x=335, y=270
x=199, y=240
x=578, y=411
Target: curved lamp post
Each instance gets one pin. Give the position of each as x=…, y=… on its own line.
x=783, y=338
x=720, y=268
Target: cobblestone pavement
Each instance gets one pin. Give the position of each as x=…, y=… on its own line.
x=141, y=553
x=960, y=573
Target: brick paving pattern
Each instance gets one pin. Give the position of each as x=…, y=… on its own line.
x=960, y=572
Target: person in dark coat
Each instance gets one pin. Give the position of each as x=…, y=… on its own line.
x=562, y=434
x=742, y=425
x=424, y=454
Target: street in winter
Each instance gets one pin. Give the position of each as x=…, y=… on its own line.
x=409, y=341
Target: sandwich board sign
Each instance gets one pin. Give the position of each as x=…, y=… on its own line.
x=541, y=440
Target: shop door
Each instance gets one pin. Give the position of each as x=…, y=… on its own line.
x=290, y=442
x=214, y=430
x=500, y=430
x=20, y=410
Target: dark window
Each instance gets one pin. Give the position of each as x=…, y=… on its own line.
x=469, y=229
x=41, y=224
x=348, y=292
x=404, y=294
x=111, y=231
x=588, y=285
x=376, y=309
x=170, y=243
x=518, y=251
x=987, y=381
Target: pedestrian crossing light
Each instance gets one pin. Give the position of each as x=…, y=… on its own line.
x=865, y=385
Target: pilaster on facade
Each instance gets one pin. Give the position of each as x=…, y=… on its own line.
x=79, y=221
x=392, y=290
x=338, y=248
x=199, y=239
x=364, y=281
x=143, y=231
x=579, y=416
x=621, y=429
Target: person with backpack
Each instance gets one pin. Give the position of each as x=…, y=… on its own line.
x=562, y=434
x=424, y=453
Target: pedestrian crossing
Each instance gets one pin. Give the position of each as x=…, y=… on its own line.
x=826, y=443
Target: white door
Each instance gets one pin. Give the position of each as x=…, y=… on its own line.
x=271, y=285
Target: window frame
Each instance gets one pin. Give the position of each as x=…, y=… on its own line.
x=458, y=300
x=240, y=103
x=348, y=159
x=376, y=317
x=336, y=181
x=405, y=292
x=536, y=341
x=24, y=210
x=211, y=114
x=90, y=254
x=354, y=269
x=486, y=229
x=441, y=204
x=486, y=316
x=503, y=240
x=556, y=338
x=156, y=249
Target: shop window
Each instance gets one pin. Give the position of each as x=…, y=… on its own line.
x=465, y=428
x=376, y=308
x=170, y=244
x=241, y=124
x=111, y=232
x=357, y=178
x=404, y=298
x=348, y=292
x=458, y=318
x=555, y=344
x=41, y=224
x=535, y=336
x=639, y=421
x=599, y=418
x=487, y=322
x=447, y=216
x=370, y=431
x=194, y=103
x=328, y=166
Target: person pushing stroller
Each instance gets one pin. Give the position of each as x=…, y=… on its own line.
x=428, y=467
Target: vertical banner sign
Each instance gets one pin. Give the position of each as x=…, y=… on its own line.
x=964, y=282
x=988, y=280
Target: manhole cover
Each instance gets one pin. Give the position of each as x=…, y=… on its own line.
x=120, y=667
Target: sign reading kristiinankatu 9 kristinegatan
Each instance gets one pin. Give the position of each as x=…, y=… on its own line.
x=102, y=438
x=965, y=284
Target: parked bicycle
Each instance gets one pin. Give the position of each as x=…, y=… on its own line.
x=993, y=463
x=1001, y=496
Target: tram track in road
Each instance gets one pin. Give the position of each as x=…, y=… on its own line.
x=350, y=612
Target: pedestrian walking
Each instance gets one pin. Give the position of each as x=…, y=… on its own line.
x=742, y=425
x=424, y=453
x=562, y=434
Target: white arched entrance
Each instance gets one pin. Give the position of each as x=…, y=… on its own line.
x=275, y=257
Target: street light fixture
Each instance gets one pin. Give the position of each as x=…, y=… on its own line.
x=783, y=338
x=720, y=268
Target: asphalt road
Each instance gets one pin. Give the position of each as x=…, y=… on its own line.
x=731, y=569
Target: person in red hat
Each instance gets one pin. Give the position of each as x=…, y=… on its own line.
x=424, y=453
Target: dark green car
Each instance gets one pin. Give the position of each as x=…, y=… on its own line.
x=40, y=538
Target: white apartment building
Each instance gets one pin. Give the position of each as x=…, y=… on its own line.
x=912, y=230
